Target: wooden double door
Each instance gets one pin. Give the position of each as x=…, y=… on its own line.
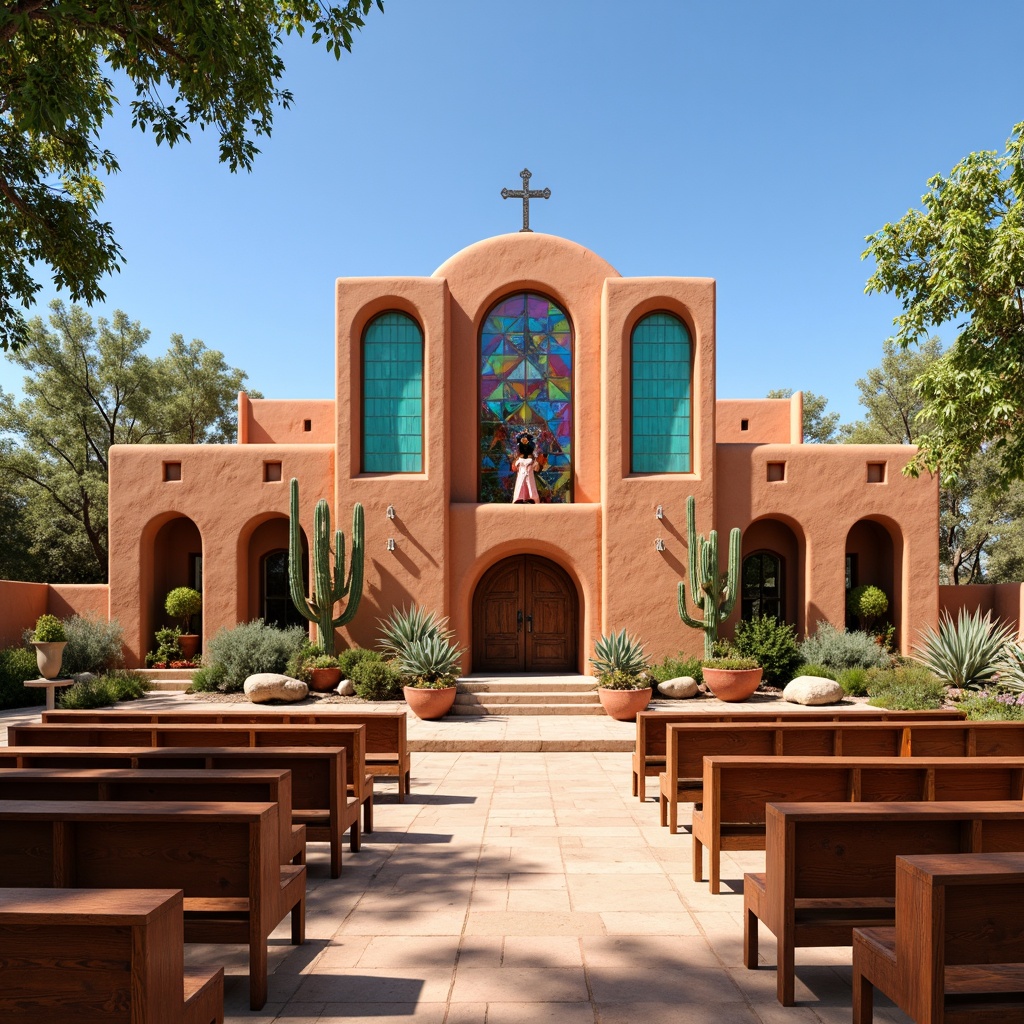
x=525, y=618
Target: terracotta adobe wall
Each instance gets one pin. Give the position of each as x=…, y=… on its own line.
x=20, y=605
x=759, y=420
x=285, y=421
x=1003, y=601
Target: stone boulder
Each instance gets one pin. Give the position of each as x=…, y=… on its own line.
x=813, y=690
x=264, y=687
x=678, y=688
x=346, y=688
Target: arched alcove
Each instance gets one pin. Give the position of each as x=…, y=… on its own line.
x=266, y=562
x=874, y=556
x=177, y=560
x=772, y=574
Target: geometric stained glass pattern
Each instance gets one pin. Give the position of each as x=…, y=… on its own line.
x=393, y=395
x=660, y=413
x=526, y=384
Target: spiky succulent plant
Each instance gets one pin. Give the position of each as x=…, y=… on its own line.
x=619, y=653
x=405, y=627
x=433, y=661
x=966, y=653
x=1011, y=667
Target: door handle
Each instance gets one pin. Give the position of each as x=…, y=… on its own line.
x=519, y=621
x=529, y=623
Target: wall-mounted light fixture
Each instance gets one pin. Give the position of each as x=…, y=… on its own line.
x=390, y=512
x=391, y=543
x=659, y=545
x=659, y=513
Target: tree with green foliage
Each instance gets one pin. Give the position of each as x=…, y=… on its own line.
x=215, y=65
x=819, y=426
x=90, y=386
x=961, y=260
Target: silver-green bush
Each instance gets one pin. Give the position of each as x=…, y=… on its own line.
x=249, y=648
x=92, y=645
x=840, y=650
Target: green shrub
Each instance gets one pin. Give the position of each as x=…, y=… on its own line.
x=854, y=682
x=673, y=668
x=182, y=603
x=992, y=705
x=905, y=688
x=252, y=647
x=16, y=665
x=348, y=660
x=128, y=685
x=376, y=679
x=966, y=653
x=167, y=647
x=93, y=645
x=822, y=671
x=208, y=679
x=839, y=649
x=49, y=630
x=772, y=644
x=866, y=604
x=731, y=664
x=102, y=691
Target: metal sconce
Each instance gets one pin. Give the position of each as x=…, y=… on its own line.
x=391, y=543
x=659, y=513
x=390, y=512
x=659, y=545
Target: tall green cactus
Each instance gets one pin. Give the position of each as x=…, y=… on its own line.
x=328, y=589
x=713, y=592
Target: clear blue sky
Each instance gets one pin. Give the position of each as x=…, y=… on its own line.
x=753, y=142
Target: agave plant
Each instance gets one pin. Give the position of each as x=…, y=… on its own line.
x=619, y=655
x=966, y=653
x=404, y=628
x=1010, y=669
x=433, y=660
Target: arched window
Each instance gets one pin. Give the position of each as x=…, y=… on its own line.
x=762, y=587
x=393, y=395
x=660, y=364
x=276, y=605
x=526, y=384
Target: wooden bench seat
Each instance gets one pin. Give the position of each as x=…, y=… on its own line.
x=320, y=799
x=120, y=953
x=956, y=952
x=737, y=790
x=215, y=734
x=831, y=867
x=224, y=856
x=687, y=744
x=650, y=750
x=387, y=742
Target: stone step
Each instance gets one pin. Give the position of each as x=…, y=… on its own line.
x=526, y=686
x=537, y=697
x=171, y=685
x=526, y=709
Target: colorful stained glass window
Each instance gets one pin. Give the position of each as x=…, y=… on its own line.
x=393, y=395
x=526, y=385
x=661, y=395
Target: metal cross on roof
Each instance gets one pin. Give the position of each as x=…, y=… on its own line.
x=526, y=194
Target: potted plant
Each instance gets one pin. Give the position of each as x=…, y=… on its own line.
x=182, y=603
x=731, y=679
x=623, y=686
x=49, y=640
x=168, y=649
x=431, y=665
x=324, y=673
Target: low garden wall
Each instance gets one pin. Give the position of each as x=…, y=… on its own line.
x=22, y=603
x=1004, y=601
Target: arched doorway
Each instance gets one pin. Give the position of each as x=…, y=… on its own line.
x=525, y=618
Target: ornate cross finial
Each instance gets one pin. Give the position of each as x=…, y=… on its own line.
x=526, y=194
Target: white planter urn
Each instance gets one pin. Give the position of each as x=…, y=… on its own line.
x=49, y=655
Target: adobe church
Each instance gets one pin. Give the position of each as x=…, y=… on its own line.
x=613, y=378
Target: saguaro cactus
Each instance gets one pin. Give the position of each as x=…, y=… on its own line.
x=713, y=592
x=328, y=587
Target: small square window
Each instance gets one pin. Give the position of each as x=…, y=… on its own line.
x=172, y=471
x=307, y=425
x=776, y=471
x=744, y=424
x=271, y=472
x=876, y=472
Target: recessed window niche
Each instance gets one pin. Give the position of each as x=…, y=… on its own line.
x=876, y=472
x=776, y=471
x=172, y=471
x=271, y=472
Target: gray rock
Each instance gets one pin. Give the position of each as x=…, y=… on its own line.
x=813, y=690
x=84, y=677
x=678, y=688
x=346, y=688
x=267, y=686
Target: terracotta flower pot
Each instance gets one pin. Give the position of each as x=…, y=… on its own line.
x=732, y=685
x=49, y=655
x=189, y=644
x=624, y=705
x=323, y=680
x=430, y=704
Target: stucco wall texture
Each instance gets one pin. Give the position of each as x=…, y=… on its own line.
x=812, y=505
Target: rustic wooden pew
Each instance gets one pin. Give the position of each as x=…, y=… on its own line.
x=736, y=790
x=224, y=856
x=831, y=867
x=320, y=799
x=387, y=742
x=956, y=953
x=688, y=744
x=116, y=734
x=255, y=785
x=120, y=953
x=650, y=749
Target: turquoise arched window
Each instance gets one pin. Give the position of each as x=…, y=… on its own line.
x=526, y=385
x=393, y=395
x=661, y=395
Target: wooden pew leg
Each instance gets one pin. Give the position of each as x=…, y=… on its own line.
x=299, y=922
x=785, y=983
x=663, y=809
x=714, y=869
x=863, y=998
x=403, y=785
x=368, y=814
x=336, y=845
x=257, y=971
x=673, y=816
x=355, y=836
x=698, y=860
x=636, y=784
x=749, y=939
